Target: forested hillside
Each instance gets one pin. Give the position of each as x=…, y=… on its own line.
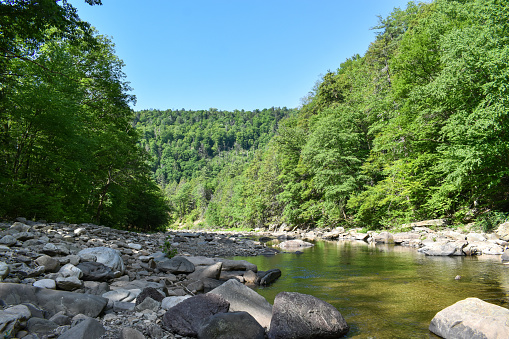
x=415, y=128
x=68, y=149
x=191, y=151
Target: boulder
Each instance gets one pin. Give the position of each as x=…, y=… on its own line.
x=176, y=265
x=148, y=304
x=169, y=302
x=12, y=318
x=451, y=248
x=202, y=272
x=131, y=333
x=95, y=271
x=242, y=298
x=4, y=270
x=186, y=317
x=41, y=326
x=505, y=256
x=105, y=255
x=69, y=283
x=50, y=264
x=268, y=277
x=231, y=325
x=237, y=265
x=503, y=231
x=295, y=244
x=471, y=318
x=301, y=316
x=88, y=328
x=149, y=292
x=53, y=301
x=383, y=238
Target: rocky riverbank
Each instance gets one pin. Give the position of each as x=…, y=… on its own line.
x=83, y=280
x=88, y=281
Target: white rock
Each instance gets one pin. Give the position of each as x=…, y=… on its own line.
x=46, y=283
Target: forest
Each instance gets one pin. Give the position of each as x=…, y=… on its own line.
x=413, y=129
x=68, y=147
x=416, y=128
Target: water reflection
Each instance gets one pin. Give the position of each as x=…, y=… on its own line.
x=386, y=291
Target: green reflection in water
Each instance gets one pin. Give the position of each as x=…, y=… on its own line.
x=386, y=291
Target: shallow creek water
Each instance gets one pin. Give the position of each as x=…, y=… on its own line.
x=386, y=291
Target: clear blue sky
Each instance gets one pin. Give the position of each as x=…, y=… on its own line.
x=232, y=54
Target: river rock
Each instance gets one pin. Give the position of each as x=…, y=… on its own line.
x=505, y=255
x=69, y=283
x=4, y=270
x=202, y=272
x=176, y=265
x=169, y=302
x=302, y=316
x=452, y=248
x=242, y=298
x=53, y=301
x=268, y=277
x=149, y=292
x=237, y=265
x=50, y=264
x=69, y=270
x=383, y=238
x=45, y=283
x=105, y=255
x=471, y=318
x=8, y=240
x=294, y=244
x=12, y=318
x=131, y=333
x=88, y=328
x=503, y=231
x=186, y=317
x=231, y=325
x=40, y=326
x=95, y=271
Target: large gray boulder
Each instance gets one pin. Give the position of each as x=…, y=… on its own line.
x=176, y=265
x=186, y=317
x=105, y=255
x=440, y=248
x=53, y=301
x=231, y=325
x=242, y=298
x=88, y=328
x=471, y=318
x=302, y=316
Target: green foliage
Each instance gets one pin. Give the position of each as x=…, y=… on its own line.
x=168, y=250
x=68, y=149
x=490, y=220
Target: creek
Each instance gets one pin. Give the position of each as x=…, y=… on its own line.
x=385, y=291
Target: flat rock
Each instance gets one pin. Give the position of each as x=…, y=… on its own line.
x=53, y=301
x=237, y=265
x=242, y=298
x=169, y=302
x=202, y=272
x=471, y=318
x=451, y=248
x=292, y=244
x=302, y=316
x=176, y=265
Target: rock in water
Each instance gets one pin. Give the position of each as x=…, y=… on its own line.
x=186, y=317
x=471, y=318
x=231, y=325
x=242, y=298
x=302, y=316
